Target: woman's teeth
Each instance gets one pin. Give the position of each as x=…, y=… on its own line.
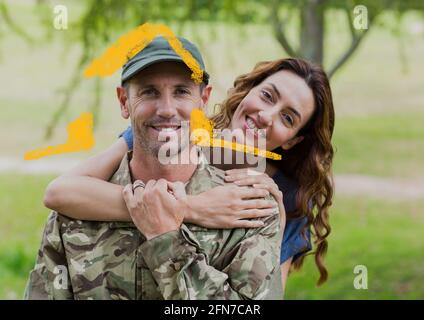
x=252, y=126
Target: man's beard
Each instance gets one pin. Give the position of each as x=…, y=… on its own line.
x=162, y=145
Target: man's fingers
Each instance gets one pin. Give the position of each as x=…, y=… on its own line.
x=178, y=189
x=162, y=184
x=128, y=196
x=149, y=185
x=138, y=189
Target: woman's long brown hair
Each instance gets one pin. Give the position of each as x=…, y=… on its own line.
x=309, y=162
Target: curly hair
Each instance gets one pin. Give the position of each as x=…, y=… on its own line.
x=309, y=162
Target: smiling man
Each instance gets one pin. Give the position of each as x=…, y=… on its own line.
x=157, y=256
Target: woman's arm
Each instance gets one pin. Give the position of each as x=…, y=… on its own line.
x=83, y=192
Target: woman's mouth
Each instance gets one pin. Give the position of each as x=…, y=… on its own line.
x=251, y=124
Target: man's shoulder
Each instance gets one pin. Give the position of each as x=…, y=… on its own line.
x=205, y=178
x=64, y=224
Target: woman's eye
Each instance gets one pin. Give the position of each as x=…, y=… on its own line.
x=267, y=95
x=287, y=118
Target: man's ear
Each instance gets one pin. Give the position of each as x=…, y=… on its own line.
x=206, y=93
x=123, y=102
x=292, y=142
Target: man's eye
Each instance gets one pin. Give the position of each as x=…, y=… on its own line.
x=287, y=118
x=181, y=91
x=148, y=92
x=266, y=95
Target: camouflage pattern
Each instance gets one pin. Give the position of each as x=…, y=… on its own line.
x=113, y=260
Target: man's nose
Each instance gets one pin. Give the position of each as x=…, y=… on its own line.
x=167, y=107
x=265, y=118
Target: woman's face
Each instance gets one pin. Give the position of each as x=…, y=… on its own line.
x=281, y=105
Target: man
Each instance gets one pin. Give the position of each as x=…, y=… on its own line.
x=157, y=256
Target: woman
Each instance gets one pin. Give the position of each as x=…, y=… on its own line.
x=291, y=100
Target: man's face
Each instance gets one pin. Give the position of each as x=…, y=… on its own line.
x=158, y=99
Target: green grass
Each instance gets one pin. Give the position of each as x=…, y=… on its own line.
x=383, y=145
x=22, y=219
x=384, y=236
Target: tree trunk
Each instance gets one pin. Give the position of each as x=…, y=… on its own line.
x=312, y=31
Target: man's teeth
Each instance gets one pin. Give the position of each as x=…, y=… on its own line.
x=166, y=129
x=252, y=126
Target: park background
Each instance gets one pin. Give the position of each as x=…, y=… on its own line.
x=377, y=218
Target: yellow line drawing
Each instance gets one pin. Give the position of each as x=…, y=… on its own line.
x=80, y=131
x=80, y=137
x=128, y=45
x=202, y=134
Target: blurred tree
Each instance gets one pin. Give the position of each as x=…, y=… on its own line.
x=103, y=20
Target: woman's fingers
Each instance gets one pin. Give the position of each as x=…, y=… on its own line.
x=238, y=174
x=257, y=204
x=245, y=171
x=251, y=193
x=247, y=224
x=278, y=195
x=252, y=180
x=256, y=213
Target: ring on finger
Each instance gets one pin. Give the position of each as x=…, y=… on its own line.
x=138, y=184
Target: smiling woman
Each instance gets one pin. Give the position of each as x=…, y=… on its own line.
x=292, y=99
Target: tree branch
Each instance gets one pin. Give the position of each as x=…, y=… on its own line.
x=278, y=27
x=356, y=40
x=4, y=14
x=350, y=21
x=68, y=92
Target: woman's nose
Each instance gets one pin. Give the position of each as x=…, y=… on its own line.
x=265, y=119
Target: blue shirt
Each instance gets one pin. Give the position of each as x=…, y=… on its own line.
x=294, y=243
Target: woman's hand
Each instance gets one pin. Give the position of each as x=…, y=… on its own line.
x=249, y=177
x=227, y=207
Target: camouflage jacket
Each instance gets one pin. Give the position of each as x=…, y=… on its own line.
x=112, y=260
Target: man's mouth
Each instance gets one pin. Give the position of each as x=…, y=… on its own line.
x=165, y=127
x=251, y=124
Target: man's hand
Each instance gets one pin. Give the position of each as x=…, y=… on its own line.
x=158, y=208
